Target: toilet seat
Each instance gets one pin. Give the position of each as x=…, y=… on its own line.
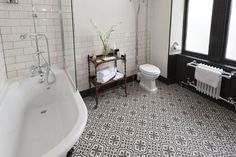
x=149, y=69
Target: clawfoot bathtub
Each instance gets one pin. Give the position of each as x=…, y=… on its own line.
x=37, y=121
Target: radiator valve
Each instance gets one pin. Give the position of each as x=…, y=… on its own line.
x=231, y=101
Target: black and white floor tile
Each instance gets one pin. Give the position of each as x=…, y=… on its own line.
x=173, y=122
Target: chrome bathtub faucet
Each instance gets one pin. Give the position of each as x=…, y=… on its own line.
x=41, y=70
x=33, y=70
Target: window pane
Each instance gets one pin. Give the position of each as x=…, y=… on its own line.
x=199, y=26
x=231, y=47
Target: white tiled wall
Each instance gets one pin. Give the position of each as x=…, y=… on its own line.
x=2, y=66
x=16, y=19
x=124, y=41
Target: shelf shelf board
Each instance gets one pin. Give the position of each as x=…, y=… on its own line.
x=93, y=80
x=99, y=59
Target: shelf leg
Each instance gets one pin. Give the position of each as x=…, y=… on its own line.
x=90, y=86
x=126, y=94
x=89, y=75
x=96, y=97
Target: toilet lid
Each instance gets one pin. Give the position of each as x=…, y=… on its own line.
x=149, y=69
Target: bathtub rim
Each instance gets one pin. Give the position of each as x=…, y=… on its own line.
x=4, y=91
x=70, y=140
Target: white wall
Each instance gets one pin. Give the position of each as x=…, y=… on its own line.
x=177, y=24
x=159, y=28
x=107, y=13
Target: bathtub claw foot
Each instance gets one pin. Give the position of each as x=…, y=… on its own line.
x=70, y=153
x=95, y=107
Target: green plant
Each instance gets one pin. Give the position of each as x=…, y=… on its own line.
x=104, y=37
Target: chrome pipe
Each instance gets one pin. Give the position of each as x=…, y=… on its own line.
x=47, y=43
x=228, y=100
x=47, y=63
x=225, y=74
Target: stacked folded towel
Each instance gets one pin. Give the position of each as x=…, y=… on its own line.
x=118, y=76
x=106, y=74
x=209, y=75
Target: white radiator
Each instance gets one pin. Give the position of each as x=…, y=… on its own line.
x=209, y=90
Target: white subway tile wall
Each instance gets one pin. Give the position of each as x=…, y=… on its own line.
x=124, y=41
x=3, y=76
x=16, y=19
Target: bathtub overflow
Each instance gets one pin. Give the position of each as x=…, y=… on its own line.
x=43, y=112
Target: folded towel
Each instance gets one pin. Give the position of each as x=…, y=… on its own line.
x=106, y=71
x=118, y=76
x=107, y=77
x=208, y=75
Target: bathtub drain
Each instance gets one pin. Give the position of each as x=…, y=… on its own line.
x=43, y=112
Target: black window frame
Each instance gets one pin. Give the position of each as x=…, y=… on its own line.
x=218, y=33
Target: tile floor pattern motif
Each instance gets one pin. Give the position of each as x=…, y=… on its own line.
x=172, y=122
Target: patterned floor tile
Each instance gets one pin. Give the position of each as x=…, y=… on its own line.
x=173, y=122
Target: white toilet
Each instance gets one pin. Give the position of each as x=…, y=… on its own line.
x=149, y=74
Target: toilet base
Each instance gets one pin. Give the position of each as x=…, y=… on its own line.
x=148, y=85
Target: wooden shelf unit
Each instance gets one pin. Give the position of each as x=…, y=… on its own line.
x=93, y=78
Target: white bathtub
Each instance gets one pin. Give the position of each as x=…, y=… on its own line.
x=40, y=122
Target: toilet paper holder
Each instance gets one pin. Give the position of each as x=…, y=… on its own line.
x=176, y=47
x=12, y=1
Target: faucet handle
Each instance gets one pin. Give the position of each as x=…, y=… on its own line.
x=33, y=70
x=45, y=65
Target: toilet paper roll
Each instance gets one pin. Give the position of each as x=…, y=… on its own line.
x=176, y=48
